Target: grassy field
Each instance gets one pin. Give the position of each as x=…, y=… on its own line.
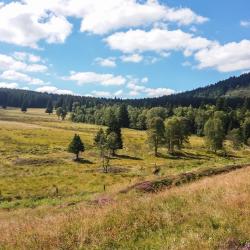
x=212, y=213
x=34, y=161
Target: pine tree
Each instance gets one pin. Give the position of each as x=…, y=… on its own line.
x=123, y=117
x=246, y=130
x=76, y=146
x=114, y=126
x=24, y=106
x=49, y=108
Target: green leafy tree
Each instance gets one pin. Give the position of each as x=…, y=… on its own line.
x=49, y=109
x=246, y=131
x=114, y=126
x=64, y=113
x=59, y=112
x=214, y=132
x=76, y=146
x=100, y=141
x=235, y=136
x=112, y=142
x=176, y=133
x=156, y=133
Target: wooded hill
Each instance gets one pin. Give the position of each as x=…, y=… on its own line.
x=235, y=89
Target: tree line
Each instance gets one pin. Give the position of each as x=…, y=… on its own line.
x=195, y=98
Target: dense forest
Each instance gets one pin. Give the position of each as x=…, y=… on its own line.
x=231, y=89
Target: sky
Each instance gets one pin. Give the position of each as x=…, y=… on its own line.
x=122, y=48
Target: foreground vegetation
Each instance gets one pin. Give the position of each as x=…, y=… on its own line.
x=210, y=214
x=49, y=200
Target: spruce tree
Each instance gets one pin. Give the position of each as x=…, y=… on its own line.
x=24, y=106
x=76, y=146
x=123, y=117
x=49, y=109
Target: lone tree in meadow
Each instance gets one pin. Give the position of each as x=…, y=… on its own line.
x=76, y=146
x=49, y=109
x=61, y=112
x=214, y=132
x=24, y=106
x=100, y=141
x=114, y=127
x=156, y=133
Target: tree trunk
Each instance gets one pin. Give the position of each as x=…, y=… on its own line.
x=77, y=156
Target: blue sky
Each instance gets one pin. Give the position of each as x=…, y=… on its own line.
x=122, y=48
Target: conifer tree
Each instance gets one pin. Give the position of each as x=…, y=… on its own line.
x=123, y=117
x=49, y=108
x=76, y=146
x=24, y=106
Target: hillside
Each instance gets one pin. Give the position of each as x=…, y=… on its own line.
x=235, y=87
x=232, y=87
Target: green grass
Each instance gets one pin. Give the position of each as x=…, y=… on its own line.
x=33, y=160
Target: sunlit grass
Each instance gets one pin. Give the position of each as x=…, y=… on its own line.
x=34, y=161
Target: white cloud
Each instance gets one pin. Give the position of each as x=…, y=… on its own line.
x=157, y=40
x=136, y=90
x=54, y=90
x=225, y=58
x=134, y=58
x=92, y=77
x=8, y=85
x=24, y=24
x=24, y=56
x=105, y=94
x=106, y=62
x=21, y=77
x=118, y=93
x=27, y=22
x=245, y=23
x=100, y=17
x=11, y=63
x=151, y=92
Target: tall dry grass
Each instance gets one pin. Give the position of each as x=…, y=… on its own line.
x=202, y=215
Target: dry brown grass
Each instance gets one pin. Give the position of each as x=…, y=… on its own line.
x=201, y=215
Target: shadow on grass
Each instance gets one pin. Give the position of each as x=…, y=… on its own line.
x=128, y=157
x=183, y=155
x=83, y=161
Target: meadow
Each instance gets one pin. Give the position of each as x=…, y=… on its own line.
x=49, y=201
x=36, y=169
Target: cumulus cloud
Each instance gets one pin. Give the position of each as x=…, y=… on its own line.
x=54, y=90
x=136, y=90
x=106, y=62
x=225, y=58
x=156, y=92
x=101, y=17
x=8, y=85
x=25, y=25
x=157, y=40
x=20, y=77
x=245, y=24
x=92, y=77
x=134, y=58
x=24, y=56
x=18, y=63
x=47, y=20
x=106, y=94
